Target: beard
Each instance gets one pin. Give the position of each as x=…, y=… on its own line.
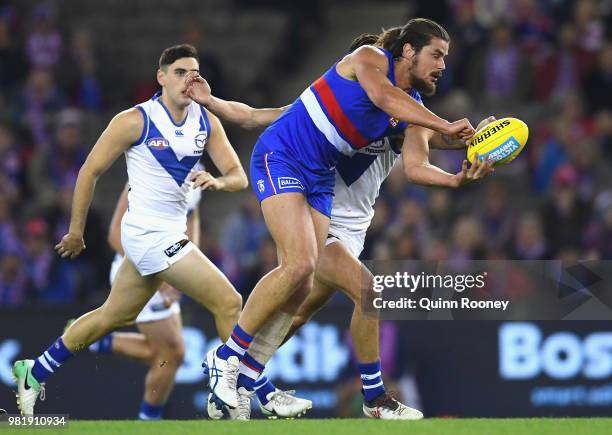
x=422, y=86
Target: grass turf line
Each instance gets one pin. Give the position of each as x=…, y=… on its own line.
x=517, y=426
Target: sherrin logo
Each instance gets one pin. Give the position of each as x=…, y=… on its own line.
x=490, y=132
x=158, y=143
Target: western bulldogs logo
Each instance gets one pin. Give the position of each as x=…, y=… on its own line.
x=261, y=186
x=393, y=122
x=200, y=139
x=158, y=143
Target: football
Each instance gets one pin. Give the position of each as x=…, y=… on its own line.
x=502, y=140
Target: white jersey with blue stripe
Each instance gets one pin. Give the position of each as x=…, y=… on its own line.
x=358, y=181
x=359, y=177
x=194, y=195
x=160, y=162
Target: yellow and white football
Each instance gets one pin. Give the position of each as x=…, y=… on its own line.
x=502, y=140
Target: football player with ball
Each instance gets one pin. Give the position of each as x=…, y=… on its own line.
x=356, y=188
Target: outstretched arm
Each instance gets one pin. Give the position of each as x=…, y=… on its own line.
x=232, y=111
x=370, y=68
x=242, y=114
x=123, y=130
x=418, y=169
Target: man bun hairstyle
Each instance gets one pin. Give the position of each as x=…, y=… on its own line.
x=363, y=39
x=418, y=32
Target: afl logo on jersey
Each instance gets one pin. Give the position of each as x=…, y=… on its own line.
x=200, y=139
x=158, y=143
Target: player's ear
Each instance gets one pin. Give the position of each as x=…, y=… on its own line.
x=161, y=77
x=408, y=51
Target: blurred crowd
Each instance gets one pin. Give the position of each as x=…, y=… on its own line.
x=546, y=62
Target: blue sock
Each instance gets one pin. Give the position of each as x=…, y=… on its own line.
x=50, y=360
x=249, y=371
x=371, y=380
x=103, y=345
x=263, y=386
x=236, y=345
x=150, y=412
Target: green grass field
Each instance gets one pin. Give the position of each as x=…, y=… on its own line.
x=519, y=426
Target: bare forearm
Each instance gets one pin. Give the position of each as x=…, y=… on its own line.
x=242, y=114
x=403, y=107
x=427, y=174
x=233, y=180
x=443, y=142
x=81, y=200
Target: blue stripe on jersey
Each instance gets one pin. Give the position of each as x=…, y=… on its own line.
x=351, y=168
x=170, y=116
x=145, y=127
x=204, y=122
x=178, y=169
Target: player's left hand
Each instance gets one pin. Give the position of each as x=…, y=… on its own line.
x=205, y=181
x=70, y=246
x=478, y=170
x=197, y=88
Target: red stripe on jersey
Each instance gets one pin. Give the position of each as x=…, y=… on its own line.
x=338, y=117
x=268, y=171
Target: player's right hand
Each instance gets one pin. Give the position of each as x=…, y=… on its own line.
x=70, y=246
x=461, y=130
x=197, y=88
x=477, y=171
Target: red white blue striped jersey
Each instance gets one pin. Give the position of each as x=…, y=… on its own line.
x=334, y=116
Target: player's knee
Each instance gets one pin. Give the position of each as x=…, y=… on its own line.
x=361, y=288
x=170, y=353
x=176, y=353
x=300, y=269
x=229, y=305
